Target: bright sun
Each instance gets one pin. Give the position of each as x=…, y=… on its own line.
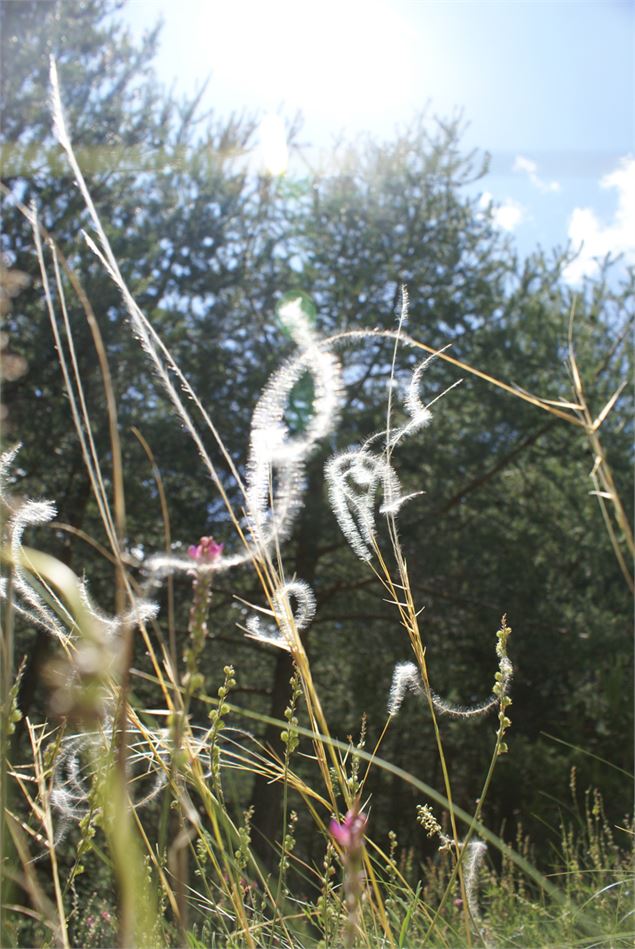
x=345, y=60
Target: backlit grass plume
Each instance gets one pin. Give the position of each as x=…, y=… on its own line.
x=406, y=678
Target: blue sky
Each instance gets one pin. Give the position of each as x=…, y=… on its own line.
x=546, y=87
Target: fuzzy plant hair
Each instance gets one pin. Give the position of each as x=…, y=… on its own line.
x=407, y=678
x=273, y=450
x=475, y=854
x=356, y=475
x=28, y=595
x=33, y=605
x=148, y=761
x=354, y=478
x=93, y=648
x=288, y=624
x=112, y=627
x=276, y=460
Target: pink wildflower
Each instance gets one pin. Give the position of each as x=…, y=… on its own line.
x=350, y=836
x=350, y=833
x=206, y=551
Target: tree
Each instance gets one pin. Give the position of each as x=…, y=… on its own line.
x=188, y=227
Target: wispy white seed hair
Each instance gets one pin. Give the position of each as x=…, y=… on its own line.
x=32, y=514
x=289, y=623
x=269, y=412
x=507, y=673
x=33, y=607
x=474, y=857
x=351, y=481
x=159, y=566
x=111, y=627
x=405, y=305
x=277, y=458
x=6, y=461
x=354, y=478
x=405, y=678
x=19, y=608
x=268, y=634
x=29, y=513
x=462, y=711
x=297, y=323
x=276, y=461
x=419, y=413
x=80, y=757
x=33, y=618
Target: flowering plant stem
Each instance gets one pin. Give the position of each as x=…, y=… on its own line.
x=409, y=618
x=499, y=748
x=350, y=836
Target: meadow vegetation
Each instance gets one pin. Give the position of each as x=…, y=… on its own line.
x=324, y=441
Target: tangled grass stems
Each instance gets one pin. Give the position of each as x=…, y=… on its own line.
x=217, y=817
x=468, y=820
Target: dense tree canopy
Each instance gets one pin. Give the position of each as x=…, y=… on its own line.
x=507, y=522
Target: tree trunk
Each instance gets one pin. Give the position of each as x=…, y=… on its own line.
x=266, y=797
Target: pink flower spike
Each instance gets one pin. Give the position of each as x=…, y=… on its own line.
x=206, y=551
x=350, y=833
x=340, y=833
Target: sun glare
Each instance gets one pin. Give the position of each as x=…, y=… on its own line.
x=273, y=148
x=344, y=61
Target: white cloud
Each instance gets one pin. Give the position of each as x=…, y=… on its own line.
x=508, y=215
x=530, y=168
x=592, y=239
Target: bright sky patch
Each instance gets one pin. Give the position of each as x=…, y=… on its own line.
x=592, y=238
